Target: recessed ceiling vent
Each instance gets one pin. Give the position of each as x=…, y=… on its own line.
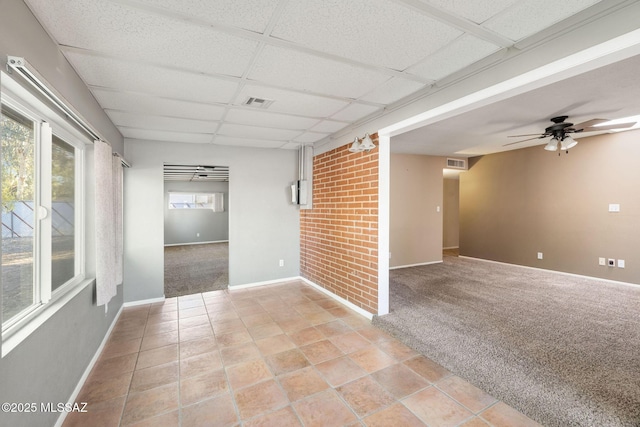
x=457, y=164
x=258, y=102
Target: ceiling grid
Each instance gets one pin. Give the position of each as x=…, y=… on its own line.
x=175, y=70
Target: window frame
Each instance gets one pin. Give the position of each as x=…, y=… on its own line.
x=217, y=201
x=47, y=301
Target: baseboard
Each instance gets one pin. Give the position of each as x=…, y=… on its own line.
x=341, y=300
x=415, y=265
x=582, y=276
x=143, y=302
x=85, y=375
x=195, y=243
x=267, y=282
x=451, y=247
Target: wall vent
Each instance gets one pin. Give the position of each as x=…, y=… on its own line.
x=258, y=102
x=457, y=164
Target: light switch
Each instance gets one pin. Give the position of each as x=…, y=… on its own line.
x=614, y=207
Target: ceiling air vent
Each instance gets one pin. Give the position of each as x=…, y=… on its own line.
x=457, y=164
x=258, y=102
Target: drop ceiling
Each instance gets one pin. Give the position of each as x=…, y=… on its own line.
x=609, y=92
x=178, y=70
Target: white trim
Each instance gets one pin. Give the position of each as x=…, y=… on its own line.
x=266, y=282
x=341, y=300
x=415, y=265
x=143, y=302
x=16, y=92
x=92, y=363
x=452, y=247
x=195, y=243
x=22, y=329
x=581, y=276
x=384, y=207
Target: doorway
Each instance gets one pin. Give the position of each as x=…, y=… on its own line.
x=451, y=213
x=196, y=229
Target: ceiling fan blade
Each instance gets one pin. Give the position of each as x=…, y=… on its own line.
x=520, y=136
x=608, y=127
x=524, y=140
x=589, y=123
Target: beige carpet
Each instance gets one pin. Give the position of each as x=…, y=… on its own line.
x=192, y=269
x=563, y=350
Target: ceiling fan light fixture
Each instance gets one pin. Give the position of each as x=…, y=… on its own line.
x=552, y=145
x=567, y=142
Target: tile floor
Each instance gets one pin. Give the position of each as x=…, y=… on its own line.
x=277, y=355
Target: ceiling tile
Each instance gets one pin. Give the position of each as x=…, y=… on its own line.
x=144, y=121
x=361, y=29
x=247, y=142
x=287, y=101
x=309, y=137
x=355, y=112
x=475, y=11
x=262, y=118
x=252, y=15
x=530, y=16
x=462, y=52
x=140, y=103
x=116, y=74
x=392, y=90
x=303, y=71
x=143, y=36
x=329, y=126
x=243, y=131
x=163, y=135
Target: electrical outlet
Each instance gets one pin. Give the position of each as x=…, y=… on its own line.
x=281, y=263
x=620, y=263
x=197, y=234
x=602, y=261
x=611, y=262
x=540, y=256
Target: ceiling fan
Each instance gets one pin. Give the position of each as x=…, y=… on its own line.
x=560, y=132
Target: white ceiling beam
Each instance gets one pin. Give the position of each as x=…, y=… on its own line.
x=457, y=22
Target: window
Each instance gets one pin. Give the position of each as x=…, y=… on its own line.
x=18, y=138
x=63, y=171
x=42, y=222
x=212, y=201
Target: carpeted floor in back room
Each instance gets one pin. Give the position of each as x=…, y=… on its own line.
x=192, y=269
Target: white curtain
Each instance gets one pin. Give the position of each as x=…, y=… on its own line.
x=117, y=208
x=105, y=224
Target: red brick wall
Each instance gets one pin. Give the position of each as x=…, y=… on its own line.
x=339, y=236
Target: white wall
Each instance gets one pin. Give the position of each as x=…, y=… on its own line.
x=263, y=227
